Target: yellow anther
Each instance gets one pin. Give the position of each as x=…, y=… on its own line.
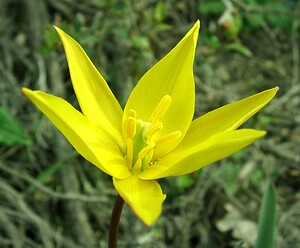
x=132, y=113
x=169, y=138
x=163, y=144
x=153, y=129
x=129, y=125
x=161, y=109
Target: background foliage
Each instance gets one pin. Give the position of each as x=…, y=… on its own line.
x=51, y=197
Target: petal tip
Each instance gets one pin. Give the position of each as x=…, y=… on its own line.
x=25, y=91
x=272, y=92
x=261, y=133
x=195, y=28
x=151, y=221
x=57, y=28
x=61, y=33
x=144, y=197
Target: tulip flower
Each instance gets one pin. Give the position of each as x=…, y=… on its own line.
x=155, y=135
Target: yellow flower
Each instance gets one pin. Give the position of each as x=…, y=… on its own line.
x=154, y=137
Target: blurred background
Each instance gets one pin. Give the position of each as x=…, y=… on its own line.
x=52, y=197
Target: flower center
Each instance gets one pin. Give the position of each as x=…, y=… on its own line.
x=141, y=137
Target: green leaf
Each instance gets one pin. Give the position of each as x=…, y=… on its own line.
x=11, y=133
x=267, y=219
x=160, y=12
x=240, y=48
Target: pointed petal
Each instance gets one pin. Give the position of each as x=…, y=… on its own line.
x=87, y=138
x=186, y=159
x=172, y=75
x=228, y=117
x=95, y=98
x=144, y=197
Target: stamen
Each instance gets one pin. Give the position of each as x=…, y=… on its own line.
x=129, y=152
x=161, y=109
x=169, y=138
x=163, y=144
x=153, y=129
x=129, y=125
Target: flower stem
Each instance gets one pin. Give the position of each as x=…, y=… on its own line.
x=114, y=222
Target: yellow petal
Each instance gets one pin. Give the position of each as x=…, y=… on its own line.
x=87, y=138
x=173, y=76
x=184, y=160
x=144, y=197
x=95, y=98
x=228, y=117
